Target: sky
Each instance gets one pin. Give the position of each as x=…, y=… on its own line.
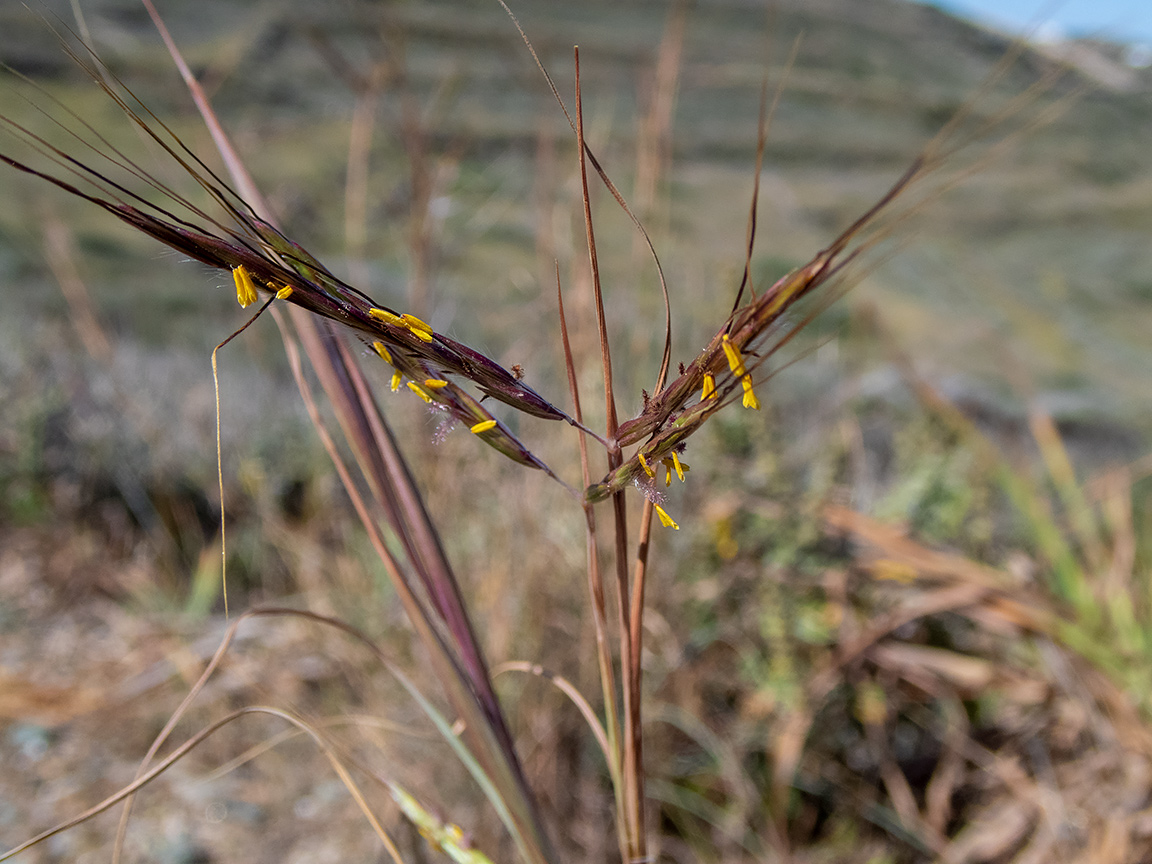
x=1121, y=20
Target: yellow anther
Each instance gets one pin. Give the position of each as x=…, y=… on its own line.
x=420, y=334
x=396, y=378
x=750, y=400
x=644, y=465
x=284, y=293
x=673, y=463
x=483, y=426
x=415, y=324
x=709, y=391
x=435, y=383
x=387, y=317
x=419, y=391
x=382, y=350
x=735, y=362
x=666, y=520
x=245, y=287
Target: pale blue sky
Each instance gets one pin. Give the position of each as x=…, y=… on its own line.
x=1127, y=20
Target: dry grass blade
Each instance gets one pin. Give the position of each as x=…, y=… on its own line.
x=187, y=747
x=361, y=721
x=576, y=698
x=145, y=773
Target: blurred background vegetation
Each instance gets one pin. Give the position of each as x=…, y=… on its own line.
x=906, y=617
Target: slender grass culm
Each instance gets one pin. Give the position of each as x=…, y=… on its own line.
x=326, y=316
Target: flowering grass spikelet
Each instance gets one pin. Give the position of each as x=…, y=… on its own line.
x=245, y=287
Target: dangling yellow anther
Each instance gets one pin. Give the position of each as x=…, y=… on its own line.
x=435, y=383
x=735, y=361
x=644, y=465
x=396, y=379
x=387, y=317
x=750, y=400
x=420, y=334
x=666, y=520
x=245, y=288
x=673, y=463
x=736, y=364
x=709, y=391
x=284, y=293
x=667, y=473
x=419, y=391
x=381, y=349
x=483, y=426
